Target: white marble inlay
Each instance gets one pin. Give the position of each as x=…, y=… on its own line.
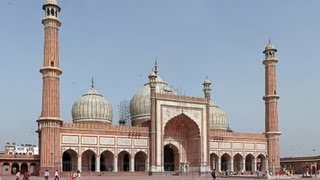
x=106, y=141
x=237, y=145
x=124, y=141
x=70, y=139
x=261, y=146
x=225, y=145
x=214, y=145
x=89, y=140
x=141, y=142
x=249, y=146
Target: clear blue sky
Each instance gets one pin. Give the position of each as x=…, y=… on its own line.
x=116, y=42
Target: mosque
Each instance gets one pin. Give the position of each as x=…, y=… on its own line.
x=169, y=132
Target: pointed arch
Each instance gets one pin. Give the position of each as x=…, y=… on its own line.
x=124, y=158
x=237, y=162
x=15, y=168
x=186, y=131
x=170, y=157
x=69, y=160
x=214, y=161
x=140, y=159
x=24, y=168
x=261, y=163
x=181, y=125
x=249, y=162
x=88, y=160
x=225, y=162
x=106, y=161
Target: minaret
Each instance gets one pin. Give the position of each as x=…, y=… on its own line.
x=152, y=129
x=207, y=94
x=271, y=108
x=49, y=122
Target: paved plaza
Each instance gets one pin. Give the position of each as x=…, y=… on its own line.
x=190, y=177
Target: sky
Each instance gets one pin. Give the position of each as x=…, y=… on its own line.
x=116, y=42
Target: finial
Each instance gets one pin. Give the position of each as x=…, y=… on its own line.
x=269, y=40
x=206, y=81
x=156, y=66
x=92, y=83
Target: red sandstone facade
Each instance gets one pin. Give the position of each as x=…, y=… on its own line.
x=174, y=133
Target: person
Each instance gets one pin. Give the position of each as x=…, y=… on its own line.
x=18, y=175
x=46, y=175
x=73, y=175
x=213, y=174
x=56, y=175
x=26, y=176
x=78, y=175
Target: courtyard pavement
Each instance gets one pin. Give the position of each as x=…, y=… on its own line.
x=168, y=177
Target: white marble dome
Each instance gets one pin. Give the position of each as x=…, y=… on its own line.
x=140, y=102
x=92, y=107
x=218, y=118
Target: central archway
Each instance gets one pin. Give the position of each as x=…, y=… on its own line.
x=182, y=134
x=170, y=157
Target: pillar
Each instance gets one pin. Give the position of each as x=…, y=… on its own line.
x=80, y=163
x=231, y=168
x=98, y=164
x=115, y=164
x=132, y=164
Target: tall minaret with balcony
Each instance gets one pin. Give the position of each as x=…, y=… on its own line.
x=271, y=107
x=49, y=121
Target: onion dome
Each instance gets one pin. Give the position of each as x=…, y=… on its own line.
x=270, y=46
x=92, y=107
x=140, y=102
x=218, y=119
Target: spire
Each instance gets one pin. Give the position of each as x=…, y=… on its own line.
x=156, y=66
x=92, y=83
x=269, y=40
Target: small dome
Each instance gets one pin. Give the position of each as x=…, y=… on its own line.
x=218, y=118
x=270, y=46
x=92, y=107
x=140, y=102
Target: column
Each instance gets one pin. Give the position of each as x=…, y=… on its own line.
x=255, y=164
x=98, y=164
x=243, y=164
x=132, y=164
x=219, y=164
x=231, y=168
x=147, y=164
x=115, y=164
x=79, y=163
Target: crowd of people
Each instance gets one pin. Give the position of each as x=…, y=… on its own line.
x=75, y=175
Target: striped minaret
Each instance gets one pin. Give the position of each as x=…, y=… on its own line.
x=49, y=121
x=271, y=107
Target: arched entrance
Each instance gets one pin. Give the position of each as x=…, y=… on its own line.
x=184, y=134
x=249, y=162
x=123, y=161
x=237, y=163
x=88, y=160
x=170, y=159
x=69, y=160
x=225, y=162
x=15, y=168
x=261, y=163
x=5, y=169
x=140, y=161
x=106, y=161
x=33, y=169
x=214, y=161
x=24, y=168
